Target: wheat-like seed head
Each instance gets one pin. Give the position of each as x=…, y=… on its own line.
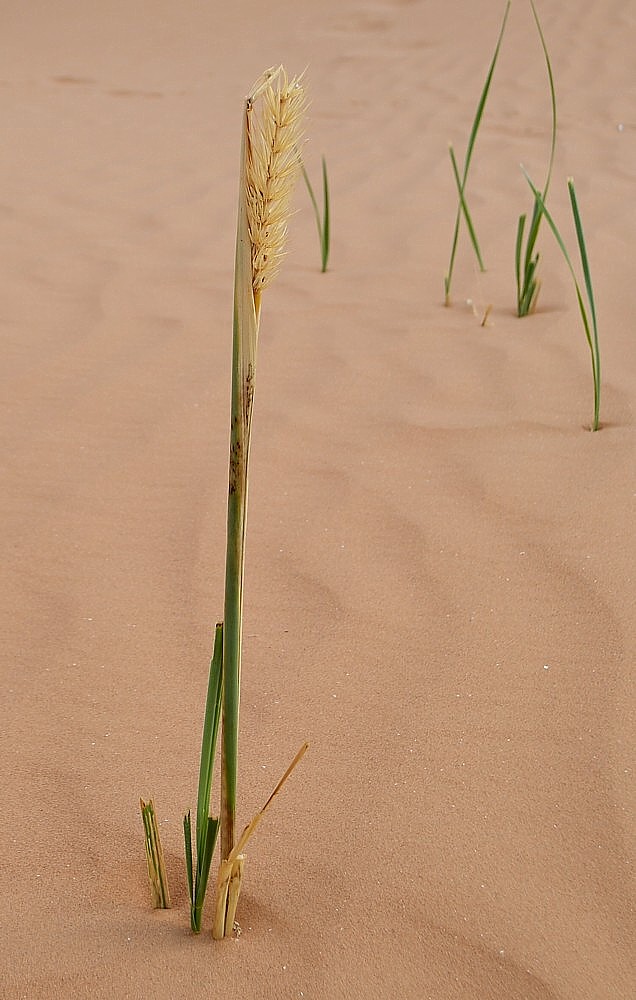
x=275, y=109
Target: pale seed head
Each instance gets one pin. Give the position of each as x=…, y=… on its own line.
x=275, y=109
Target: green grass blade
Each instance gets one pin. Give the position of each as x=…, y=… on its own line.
x=590, y=335
x=469, y=154
x=204, y=862
x=585, y=264
x=312, y=196
x=210, y=736
x=451, y=264
x=582, y=249
x=518, y=245
x=526, y=297
x=482, y=99
x=207, y=827
x=326, y=230
x=530, y=288
x=533, y=233
x=322, y=224
x=187, y=836
x=465, y=211
x=552, y=99
x=210, y=844
x=553, y=227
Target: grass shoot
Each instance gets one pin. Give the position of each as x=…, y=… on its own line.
x=588, y=318
x=527, y=262
x=322, y=222
x=460, y=181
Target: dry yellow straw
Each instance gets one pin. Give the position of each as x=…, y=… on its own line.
x=231, y=869
x=154, y=857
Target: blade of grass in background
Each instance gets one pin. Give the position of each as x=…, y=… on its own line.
x=528, y=285
x=154, y=856
x=321, y=222
x=461, y=184
x=589, y=322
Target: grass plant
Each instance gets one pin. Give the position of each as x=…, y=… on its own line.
x=589, y=320
x=269, y=167
x=154, y=857
x=461, y=180
x=271, y=137
x=322, y=221
x=527, y=261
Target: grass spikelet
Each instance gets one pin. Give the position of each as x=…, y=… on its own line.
x=271, y=168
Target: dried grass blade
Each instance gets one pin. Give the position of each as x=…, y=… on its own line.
x=154, y=856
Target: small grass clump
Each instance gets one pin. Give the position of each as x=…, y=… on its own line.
x=590, y=325
x=322, y=221
x=460, y=180
x=527, y=262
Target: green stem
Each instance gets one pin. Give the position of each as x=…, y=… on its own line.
x=326, y=225
x=243, y=358
x=231, y=665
